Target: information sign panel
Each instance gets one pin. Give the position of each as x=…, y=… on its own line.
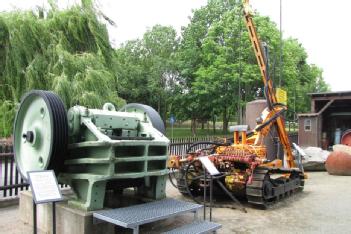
x=209, y=165
x=44, y=186
x=282, y=96
x=172, y=120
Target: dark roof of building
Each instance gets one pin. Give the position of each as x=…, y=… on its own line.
x=331, y=94
x=307, y=114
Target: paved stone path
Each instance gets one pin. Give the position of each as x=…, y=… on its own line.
x=323, y=207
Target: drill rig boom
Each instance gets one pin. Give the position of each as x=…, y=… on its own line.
x=268, y=85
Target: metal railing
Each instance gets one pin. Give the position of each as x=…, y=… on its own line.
x=179, y=146
x=11, y=181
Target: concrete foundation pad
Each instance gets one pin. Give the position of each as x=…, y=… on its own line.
x=69, y=220
x=8, y=201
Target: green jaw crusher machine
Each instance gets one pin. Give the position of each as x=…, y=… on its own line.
x=92, y=150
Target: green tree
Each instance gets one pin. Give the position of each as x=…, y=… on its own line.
x=216, y=57
x=66, y=51
x=146, y=68
x=197, y=104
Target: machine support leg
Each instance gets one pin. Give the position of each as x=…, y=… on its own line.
x=54, y=218
x=136, y=230
x=211, y=196
x=34, y=218
x=204, y=193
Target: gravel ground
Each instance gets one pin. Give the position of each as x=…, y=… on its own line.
x=323, y=207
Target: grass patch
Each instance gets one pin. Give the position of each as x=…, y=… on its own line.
x=186, y=132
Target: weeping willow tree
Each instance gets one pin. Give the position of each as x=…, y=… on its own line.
x=67, y=51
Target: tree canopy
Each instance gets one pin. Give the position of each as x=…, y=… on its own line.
x=207, y=73
x=214, y=66
x=65, y=51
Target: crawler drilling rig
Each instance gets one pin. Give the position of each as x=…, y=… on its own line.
x=243, y=161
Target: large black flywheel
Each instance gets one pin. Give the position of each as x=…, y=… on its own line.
x=151, y=114
x=40, y=132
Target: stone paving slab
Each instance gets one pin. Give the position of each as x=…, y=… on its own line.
x=323, y=207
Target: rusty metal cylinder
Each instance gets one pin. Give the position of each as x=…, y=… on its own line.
x=339, y=163
x=253, y=111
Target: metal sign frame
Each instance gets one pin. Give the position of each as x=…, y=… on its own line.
x=35, y=197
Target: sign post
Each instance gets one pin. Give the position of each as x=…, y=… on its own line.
x=216, y=175
x=45, y=189
x=212, y=170
x=172, y=121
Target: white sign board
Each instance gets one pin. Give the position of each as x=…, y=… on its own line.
x=210, y=167
x=44, y=186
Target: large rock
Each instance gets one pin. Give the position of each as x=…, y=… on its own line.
x=314, y=159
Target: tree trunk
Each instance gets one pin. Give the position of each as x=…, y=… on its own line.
x=159, y=105
x=240, y=114
x=214, y=124
x=225, y=121
x=202, y=125
x=164, y=115
x=193, y=126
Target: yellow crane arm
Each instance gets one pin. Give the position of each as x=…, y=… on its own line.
x=268, y=84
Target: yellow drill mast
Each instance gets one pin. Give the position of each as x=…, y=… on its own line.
x=268, y=84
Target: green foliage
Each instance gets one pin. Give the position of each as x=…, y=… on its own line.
x=7, y=114
x=64, y=51
x=217, y=63
x=211, y=72
x=146, y=68
x=207, y=74
x=184, y=133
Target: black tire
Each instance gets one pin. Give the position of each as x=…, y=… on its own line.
x=155, y=118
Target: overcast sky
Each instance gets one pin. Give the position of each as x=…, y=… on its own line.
x=321, y=26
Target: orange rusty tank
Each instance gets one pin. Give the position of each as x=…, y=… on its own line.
x=339, y=163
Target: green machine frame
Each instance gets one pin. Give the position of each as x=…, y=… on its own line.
x=92, y=150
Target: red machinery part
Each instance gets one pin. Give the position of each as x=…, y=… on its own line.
x=346, y=138
x=338, y=163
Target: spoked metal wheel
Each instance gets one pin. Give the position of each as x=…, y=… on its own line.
x=194, y=180
x=40, y=132
x=173, y=176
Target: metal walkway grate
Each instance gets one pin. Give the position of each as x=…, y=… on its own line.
x=198, y=227
x=133, y=216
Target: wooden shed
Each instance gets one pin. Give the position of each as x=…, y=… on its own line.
x=330, y=116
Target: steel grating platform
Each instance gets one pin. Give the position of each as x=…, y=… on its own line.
x=198, y=227
x=133, y=216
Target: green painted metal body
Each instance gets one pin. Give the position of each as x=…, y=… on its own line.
x=113, y=150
